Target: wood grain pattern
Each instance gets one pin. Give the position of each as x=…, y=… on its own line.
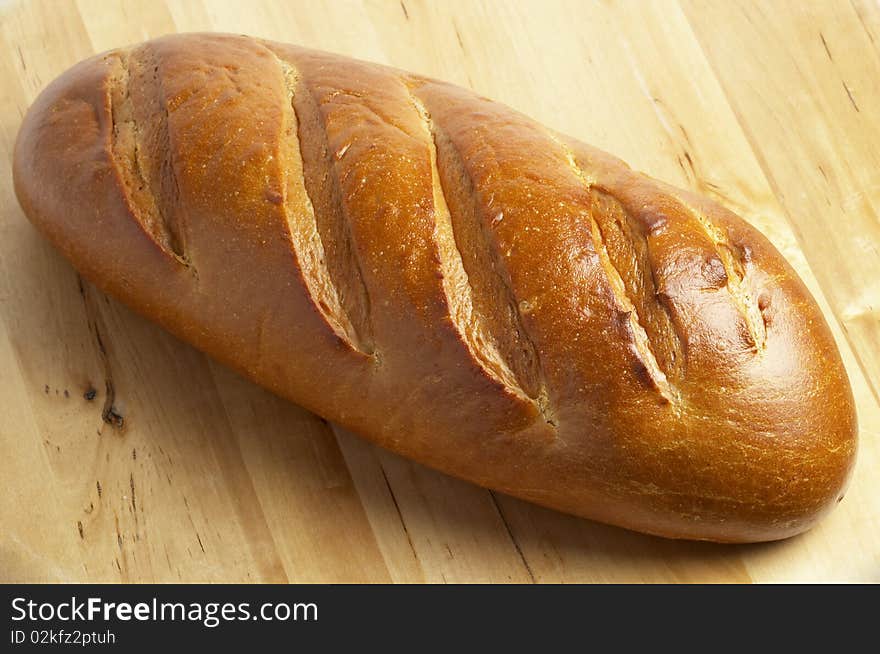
x=129, y=456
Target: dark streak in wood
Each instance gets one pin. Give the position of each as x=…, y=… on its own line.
x=100, y=341
x=684, y=133
x=399, y=513
x=133, y=496
x=458, y=36
x=850, y=96
x=119, y=538
x=862, y=21
x=512, y=537
x=167, y=557
x=690, y=161
x=825, y=45
x=405, y=12
x=109, y=413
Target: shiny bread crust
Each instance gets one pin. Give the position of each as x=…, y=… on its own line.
x=449, y=279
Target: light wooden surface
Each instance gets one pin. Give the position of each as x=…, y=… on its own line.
x=770, y=107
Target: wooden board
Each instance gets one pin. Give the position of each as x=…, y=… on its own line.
x=770, y=107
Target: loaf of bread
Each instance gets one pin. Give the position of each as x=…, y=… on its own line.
x=449, y=279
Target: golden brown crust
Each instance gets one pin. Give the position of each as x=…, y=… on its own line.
x=450, y=279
